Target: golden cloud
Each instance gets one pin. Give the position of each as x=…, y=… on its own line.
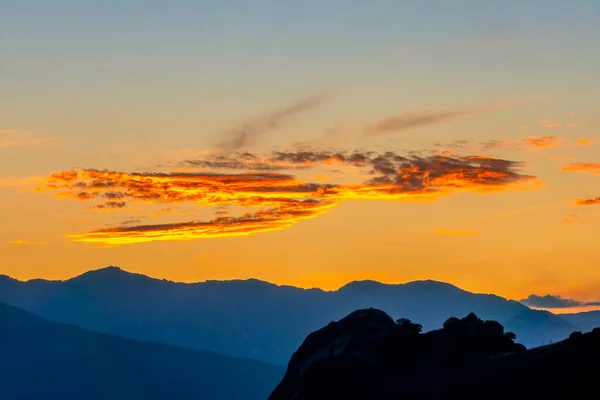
x=280, y=200
x=26, y=242
x=591, y=168
x=586, y=142
x=544, y=142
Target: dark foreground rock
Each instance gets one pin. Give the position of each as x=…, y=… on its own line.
x=368, y=355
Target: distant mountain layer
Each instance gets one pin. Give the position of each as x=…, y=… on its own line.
x=251, y=318
x=585, y=321
x=46, y=360
x=367, y=355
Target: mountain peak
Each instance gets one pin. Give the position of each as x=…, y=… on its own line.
x=111, y=272
x=430, y=283
x=362, y=285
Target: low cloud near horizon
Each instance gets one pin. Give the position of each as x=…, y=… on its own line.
x=551, y=301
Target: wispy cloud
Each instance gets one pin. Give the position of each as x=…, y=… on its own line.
x=249, y=132
x=281, y=200
x=544, y=123
x=109, y=205
x=498, y=144
x=10, y=138
x=417, y=119
x=591, y=168
x=550, y=124
x=537, y=142
x=451, y=232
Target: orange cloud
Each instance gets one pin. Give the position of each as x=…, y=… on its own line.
x=544, y=142
x=537, y=142
x=26, y=242
x=281, y=200
x=585, y=142
x=588, y=201
x=571, y=218
x=450, y=232
x=591, y=168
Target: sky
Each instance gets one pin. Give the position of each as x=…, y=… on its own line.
x=308, y=144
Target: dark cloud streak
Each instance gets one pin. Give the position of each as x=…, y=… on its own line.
x=248, y=133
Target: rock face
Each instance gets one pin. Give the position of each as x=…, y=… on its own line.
x=361, y=335
x=367, y=355
x=358, y=339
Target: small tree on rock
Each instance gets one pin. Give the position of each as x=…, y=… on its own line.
x=408, y=326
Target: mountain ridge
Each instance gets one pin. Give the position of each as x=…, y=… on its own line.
x=115, y=271
x=246, y=318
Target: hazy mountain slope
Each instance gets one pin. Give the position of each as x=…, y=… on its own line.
x=238, y=318
x=248, y=318
x=584, y=321
x=42, y=359
x=537, y=327
x=429, y=302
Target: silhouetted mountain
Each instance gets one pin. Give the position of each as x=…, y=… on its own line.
x=584, y=321
x=366, y=355
x=47, y=360
x=244, y=318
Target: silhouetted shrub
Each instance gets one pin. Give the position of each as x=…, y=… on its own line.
x=408, y=326
x=452, y=321
x=575, y=335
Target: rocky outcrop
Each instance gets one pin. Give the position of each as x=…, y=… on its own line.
x=358, y=339
x=367, y=355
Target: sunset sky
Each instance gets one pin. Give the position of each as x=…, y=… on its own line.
x=308, y=144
